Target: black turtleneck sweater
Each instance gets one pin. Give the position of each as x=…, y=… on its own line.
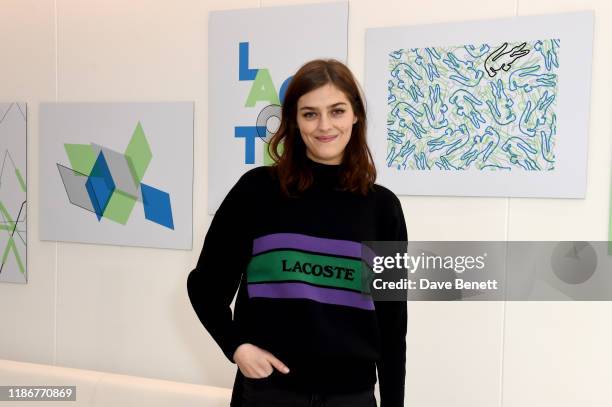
x=295, y=263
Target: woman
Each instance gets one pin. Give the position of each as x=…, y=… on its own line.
x=289, y=235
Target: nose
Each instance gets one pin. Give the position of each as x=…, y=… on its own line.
x=324, y=122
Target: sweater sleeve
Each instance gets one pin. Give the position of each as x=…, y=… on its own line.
x=393, y=321
x=211, y=286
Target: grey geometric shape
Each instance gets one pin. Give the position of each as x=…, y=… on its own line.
x=268, y=112
x=74, y=183
x=120, y=171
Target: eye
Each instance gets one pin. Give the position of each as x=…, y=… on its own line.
x=309, y=115
x=337, y=112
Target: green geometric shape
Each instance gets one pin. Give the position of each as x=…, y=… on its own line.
x=119, y=207
x=82, y=157
x=262, y=90
x=20, y=179
x=10, y=245
x=267, y=158
x=138, y=154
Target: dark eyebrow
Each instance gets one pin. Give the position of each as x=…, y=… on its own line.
x=331, y=107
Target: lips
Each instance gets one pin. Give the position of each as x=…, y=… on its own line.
x=326, y=139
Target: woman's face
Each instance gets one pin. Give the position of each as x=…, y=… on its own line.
x=325, y=118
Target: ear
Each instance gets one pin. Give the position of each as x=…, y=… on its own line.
x=356, y=120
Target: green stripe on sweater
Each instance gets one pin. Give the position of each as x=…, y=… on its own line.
x=291, y=265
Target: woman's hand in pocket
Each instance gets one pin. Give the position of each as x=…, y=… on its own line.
x=257, y=363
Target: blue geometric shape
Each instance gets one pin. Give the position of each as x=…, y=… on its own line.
x=283, y=89
x=244, y=72
x=249, y=133
x=157, y=206
x=100, y=185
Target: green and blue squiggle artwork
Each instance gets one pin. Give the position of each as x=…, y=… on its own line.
x=484, y=107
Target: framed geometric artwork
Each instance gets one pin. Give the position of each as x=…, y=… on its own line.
x=117, y=173
x=13, y=193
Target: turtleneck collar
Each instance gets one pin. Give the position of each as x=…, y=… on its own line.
x=316, y=166
x=324, y=174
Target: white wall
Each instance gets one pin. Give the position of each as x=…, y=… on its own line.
x=125, y=310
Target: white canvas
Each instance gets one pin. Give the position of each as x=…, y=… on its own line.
x=117, y=173
x=484, y=108
x=13, y=193
x=280, y=40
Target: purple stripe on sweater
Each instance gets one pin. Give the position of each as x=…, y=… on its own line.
x=308, y=243
x=319, y=294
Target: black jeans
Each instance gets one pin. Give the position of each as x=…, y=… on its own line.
x=256, y=395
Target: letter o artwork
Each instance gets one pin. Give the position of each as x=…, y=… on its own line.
x=268, y=122
x=317, y=269
x=268, y=119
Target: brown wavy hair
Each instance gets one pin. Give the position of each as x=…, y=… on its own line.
x=287, y=149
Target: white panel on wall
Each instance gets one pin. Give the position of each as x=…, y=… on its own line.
x=117, y=173
x=482, y=108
